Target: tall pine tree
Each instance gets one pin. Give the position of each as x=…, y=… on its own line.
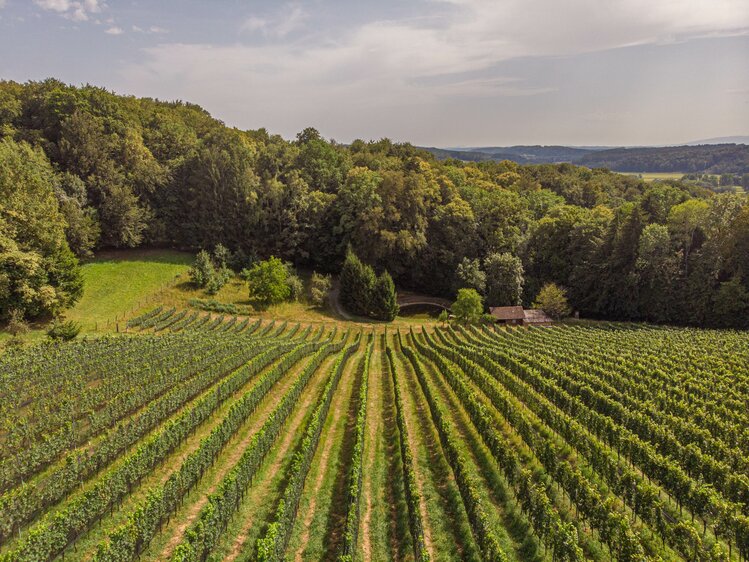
x=357, y=282
x=384, y=303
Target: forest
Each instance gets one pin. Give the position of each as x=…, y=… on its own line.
x=718, y=158
x=82, y=169
x=724, y=158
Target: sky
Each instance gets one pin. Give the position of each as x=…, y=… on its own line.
x=443, y=73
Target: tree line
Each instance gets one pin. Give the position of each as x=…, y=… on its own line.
x=82, y=168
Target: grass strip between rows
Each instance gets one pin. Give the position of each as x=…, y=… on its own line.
x=203, y=536
x=55, y=531
x=353, y=491
x=273, y=544
x=413, y=496
x=130, y=539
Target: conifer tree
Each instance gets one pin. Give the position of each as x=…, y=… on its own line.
x=384, y=303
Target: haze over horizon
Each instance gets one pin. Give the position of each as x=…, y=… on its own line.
x=431, y=72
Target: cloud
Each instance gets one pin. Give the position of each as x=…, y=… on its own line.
x=411, y=65
x=76, y=10
x=291, y=18
x=154, y=29
x=114, y=30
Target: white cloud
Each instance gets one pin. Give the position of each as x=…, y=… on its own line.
x=154, y=29
x=291, y=18
x=76, y=10
x=114, y=30
x=254, y=23
x=413, y=64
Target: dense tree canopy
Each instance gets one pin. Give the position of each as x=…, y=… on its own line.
x=38, y=272
x=126, y=172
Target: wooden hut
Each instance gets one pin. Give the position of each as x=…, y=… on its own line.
x=535, y=317
x=509, y=315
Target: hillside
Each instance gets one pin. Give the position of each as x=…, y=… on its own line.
x=709, y=158
x=191, y=439
x=84, y=170
x=713, y=158
x=116, y=283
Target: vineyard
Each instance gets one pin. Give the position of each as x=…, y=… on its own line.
x=201, y=437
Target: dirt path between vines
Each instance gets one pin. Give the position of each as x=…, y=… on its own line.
x=235, y=451
x=374, y=430
x=289, y=432
x=339, y=407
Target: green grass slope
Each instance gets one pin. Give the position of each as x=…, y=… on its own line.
x=116, y=282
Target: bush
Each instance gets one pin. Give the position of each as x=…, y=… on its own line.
x=444, y=317
x=218, y=279
x=202, y=270
x=17, y=326
x=319, y=287
x=468, y=307
x=268, y=281
x=211, y=272
x=212, y=305
x=296, y=286
x=553, y=301
x=221, y=256
x=64, y=331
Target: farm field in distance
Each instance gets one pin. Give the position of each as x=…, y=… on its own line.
x=206, y=437
x=656, y=176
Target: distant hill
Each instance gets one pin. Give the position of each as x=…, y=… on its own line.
x=538, y=154
x=471, y=155
x=721, y=140
x=703, y=158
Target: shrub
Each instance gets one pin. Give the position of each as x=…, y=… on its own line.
x=468, y=307
x=17, y=326
x=202, y=270
x=444, y=317
x=221, y=256
x=211, y=272
x=553, y=301
x=268, y=282
x=220, y=278
x=319, y=287
x=212, y=305
x=296, y=286
x=64, y=331
x=365, y=294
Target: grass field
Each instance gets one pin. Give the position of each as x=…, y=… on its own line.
x=275, y=440
x=655, y=176
x=115, y=283
x=122, y=284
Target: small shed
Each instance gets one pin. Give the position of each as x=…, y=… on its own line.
x=535, y=317
x=510, y=315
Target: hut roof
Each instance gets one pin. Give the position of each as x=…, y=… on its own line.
x=507, y=312
x=535, y=316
